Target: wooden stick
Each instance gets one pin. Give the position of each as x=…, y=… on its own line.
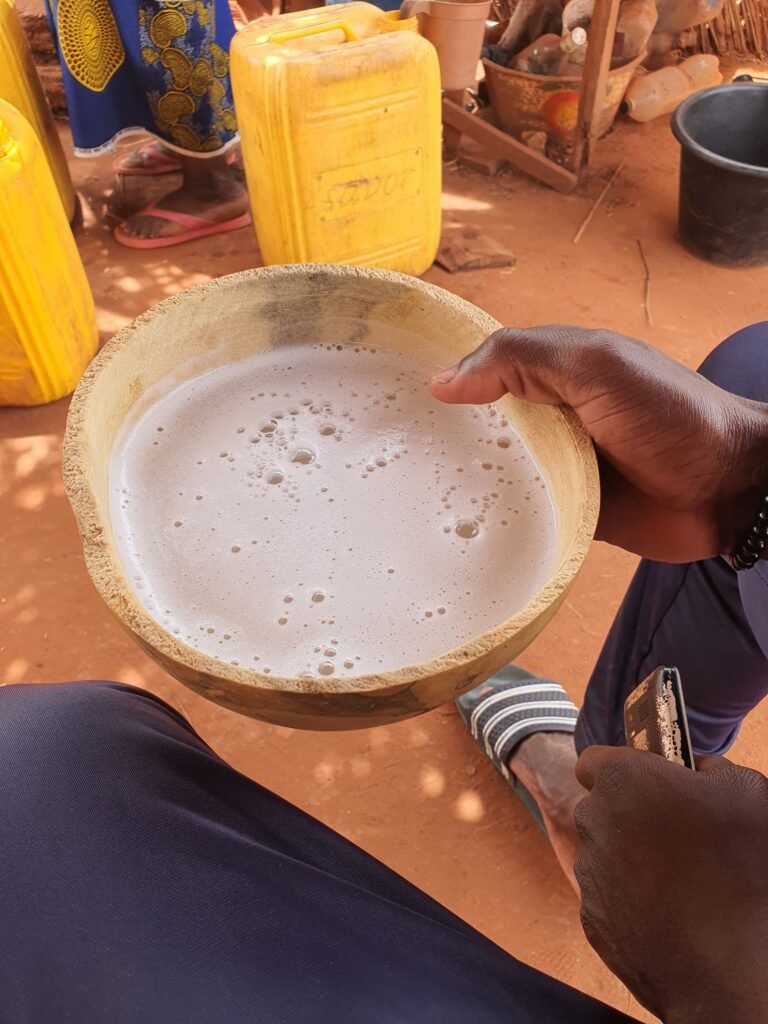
x=736, y=11
x=714, y=28
x=600, y=198
x=758, y=17
x=647, y=300
x=728, y=25
x=731, y=32
x=715, y=41
x=755, y=23
x=597, y=64
x=753, y=42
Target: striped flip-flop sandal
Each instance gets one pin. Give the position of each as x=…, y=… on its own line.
x=512, y=705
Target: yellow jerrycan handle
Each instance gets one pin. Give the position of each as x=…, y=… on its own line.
x=350, y=36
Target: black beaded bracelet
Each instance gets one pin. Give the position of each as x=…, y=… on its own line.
x=750, y=551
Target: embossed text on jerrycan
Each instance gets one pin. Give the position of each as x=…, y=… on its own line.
x=456, y=31
x=48, y=331
x=340, y=127
x=20, y=86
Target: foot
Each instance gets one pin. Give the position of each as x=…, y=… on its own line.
x=545, y=764
x=211, y=192
x=147, y=156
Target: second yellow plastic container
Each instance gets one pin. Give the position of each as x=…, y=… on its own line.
x=340, y=125
x=48, y=331
x=20, y=86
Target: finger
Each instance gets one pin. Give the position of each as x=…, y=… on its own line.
x=594, y=761
x=535, y=364
x=581, y=817
x=712, y=763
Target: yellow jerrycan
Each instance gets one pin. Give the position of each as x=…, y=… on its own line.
x=20, y=86
x=340, y=126
x=48, y=331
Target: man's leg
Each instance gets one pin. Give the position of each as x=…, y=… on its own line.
x=144, y=881
x=709, y=621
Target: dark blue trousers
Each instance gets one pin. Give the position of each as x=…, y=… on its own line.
x=709, y=621
x=144, y=881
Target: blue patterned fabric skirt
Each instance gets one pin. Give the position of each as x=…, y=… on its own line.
x=160, y=66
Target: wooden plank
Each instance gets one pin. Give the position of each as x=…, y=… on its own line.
x=451, y=136
x=597, y=64
x=503, y=146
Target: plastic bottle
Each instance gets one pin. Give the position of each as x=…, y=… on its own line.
x=48, y=330
x=678, y=15
x=544, y=56
x=637, y=19
x=635, y=24
x=661, y=92
x=574, y=46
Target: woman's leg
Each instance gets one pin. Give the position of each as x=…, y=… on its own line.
x=210, y=189
x=161, y=68
x=144, y=881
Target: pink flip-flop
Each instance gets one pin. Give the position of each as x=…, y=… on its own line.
x=198, y=227
x=160, y=163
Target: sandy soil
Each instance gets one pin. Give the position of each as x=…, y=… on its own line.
x=417, y=795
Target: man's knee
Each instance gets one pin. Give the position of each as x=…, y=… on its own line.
x=740, y=363
x=66, y=725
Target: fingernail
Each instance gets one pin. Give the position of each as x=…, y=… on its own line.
x=444, y=376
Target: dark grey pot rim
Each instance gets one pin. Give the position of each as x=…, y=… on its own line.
x=691, y=145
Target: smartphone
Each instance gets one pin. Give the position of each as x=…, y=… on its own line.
x=655, y=718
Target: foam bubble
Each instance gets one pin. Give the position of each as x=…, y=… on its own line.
x=304, y=456
x=467, y=528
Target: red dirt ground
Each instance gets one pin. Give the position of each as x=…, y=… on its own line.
x=417, y=795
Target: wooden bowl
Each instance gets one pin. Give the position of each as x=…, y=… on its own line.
x=230, y=318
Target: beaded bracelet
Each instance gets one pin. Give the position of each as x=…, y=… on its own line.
x=750, y=551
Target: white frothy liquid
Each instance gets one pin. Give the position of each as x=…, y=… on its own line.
x=313, y=511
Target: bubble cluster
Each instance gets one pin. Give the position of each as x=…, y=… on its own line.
x=313, y=512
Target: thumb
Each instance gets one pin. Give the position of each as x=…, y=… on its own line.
x=531, y=365
x=537, y=365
